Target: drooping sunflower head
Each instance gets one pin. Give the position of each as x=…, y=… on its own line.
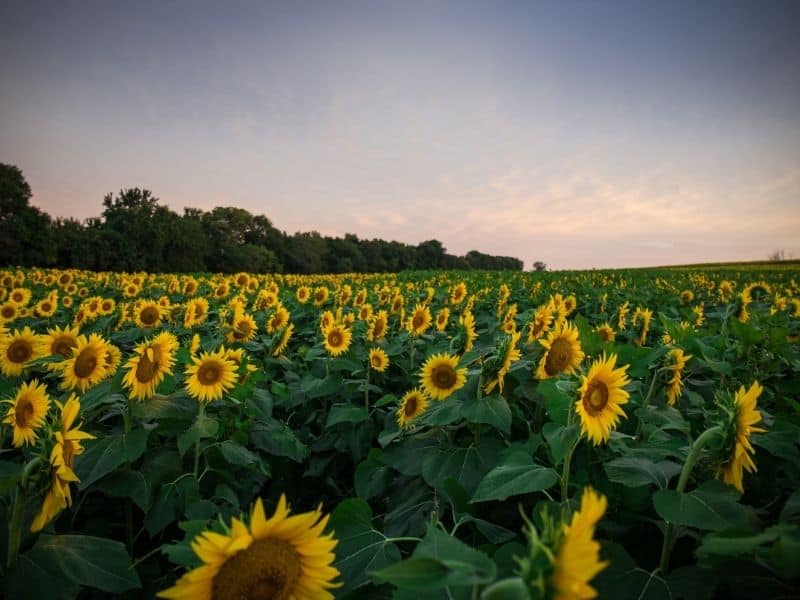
x=687, y=296
x=466, y=335
x=458, y=293
x=642, y=318
x=601, y=397
x=542, y=321
x=741, y=416
x=283, y=342
x=337, y=339
x=675, y=363
x=440, y=375
x=377, y=326
x=378, y=359
x=17, y=350
x=563, y=353
x=496, y=367
x=412, y=404
x=606, y=332
x=27, y=412
x=280, y=558
x=419, y=321
x=622, y=315
x=442, y=319
x=210, y=375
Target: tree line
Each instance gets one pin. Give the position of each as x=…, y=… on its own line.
x=137, y=233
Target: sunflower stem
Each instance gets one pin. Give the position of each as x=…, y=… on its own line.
x=691, y=459
x=200, y=413
x=646, y=402
x=565, y=469
x=15, y=526
x=411, y=350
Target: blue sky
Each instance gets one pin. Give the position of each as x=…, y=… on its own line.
x=584, y=134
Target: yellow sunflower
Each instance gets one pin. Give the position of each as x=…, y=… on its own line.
x=642, y=318
x=302, y=294
x=602, y=395
x=507, y=354
x=365, y=312
x=378, y=359
x=419, y=321
x=337, y=339
x=17, y=350
x=62, y=458
x=622, y=316
x=577, y=559
x=412, y=405
x=563, y=351
x=377, y=326
x=243, y=328
x=278, y=320
x=541, y=323
x=743, y=426
x=458, y=293
x=676, y=362
x=282, y=557
x=196, y=312
x=442, y=319
x=360, y=298
x=440, y=376
x=147, y=368
x=20, y=296
x=467, y=332
x=45, y=308
x=8, y=312
x=87, y=365
x=27, y=412
x=321, y=296
x=210, y=375
x=606, y=332
x=148, y=314
x=284, y=340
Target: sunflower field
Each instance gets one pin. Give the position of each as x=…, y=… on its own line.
x=458, y=435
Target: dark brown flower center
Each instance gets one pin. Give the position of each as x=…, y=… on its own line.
x=63, y=345
x=334, y=338
x=444, y=377
x=149, y=315
x=418, y=321
x=209, y=373
x=19, y=351
x=558, y=357
x=85, y=362
x=146, y=370
x=8, y=312
x=410, y=406
x=24, y=412
x=267, y=570
x=595, y=398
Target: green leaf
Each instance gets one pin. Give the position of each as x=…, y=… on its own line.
x=417, y=574
x=466, y=465
x=361, y=547
x=126, y=484
x=713, y=506
x=346, y=413
x=9, y=475
x=70, y=560
x=515, y=474
x=467, y=566
x=372, y=477
x=493, y=410
x=278, y=439
x=203, y=427
x=557, y=399
x=634, y=472
x=106, y=454
x=511, y=588
x=237, y=454
x=559, y=439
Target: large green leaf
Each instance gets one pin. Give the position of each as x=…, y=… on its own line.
x=713, y=506
x=515, y=474
x=361, y=548
x=466, y=465
x=633, y=471
x=492, y=410
x=106, y=454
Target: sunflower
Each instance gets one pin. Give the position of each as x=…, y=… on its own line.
x=687, y=296
x=107, y=306
x=507, y=353
x=622, y=316
x=196, y=312
x=563, y=352
x=442, y=319
x=190, y=287
x=377, y=326
x=440, y=376
x=20, y=296
x=62, y=458
x=458, y=293
x=337, y=339
x=742, y=426
x=281, y=557
x=378, y=359
x=148, y=366
x=243, y=328
x=360, y=297
x=27, y=412
x=699, y=315
x=210, y=375
x=642, y=317
x=365, y=312
x=577, y=559
x=284, y=340
x=17, y=350
x=86, y=366
x=606, y=332
x=194, y=345
x=725, y=290
x=676, y=362
x=278, y=320
x=398, y=302
x=542, y=321
x=45, y=308
x=148, y=314
x=601, y=396
x=419, y=321
x=412, y=405
x=302, y=294
x=8, y=312
x=321, y=296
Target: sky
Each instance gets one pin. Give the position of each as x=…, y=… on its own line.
x=582, y=134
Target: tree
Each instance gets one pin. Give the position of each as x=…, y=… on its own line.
x=25, y=235
x=539, y=266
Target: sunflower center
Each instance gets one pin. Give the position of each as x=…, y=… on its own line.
x=149, y=315
x=8, y=312
x=209, y=373
x=418, y=321
x=63, y=346
x=146, y=369
x=595, y=398
x=558, y=358
x=267, y=570
x=24, y=412
x=334, y=338
x=444, y=377
x=85, y=363
x=19, y=351
x=378, y=330
x=46, y=306
x=377, y=361
x=242, y=330
x=410, y=407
